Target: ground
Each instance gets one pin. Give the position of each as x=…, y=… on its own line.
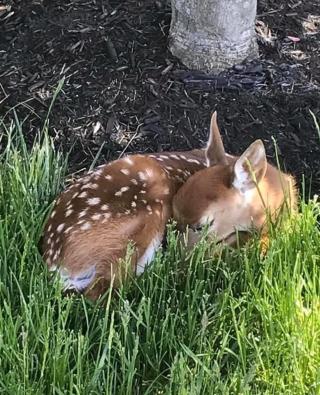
x=123, y=88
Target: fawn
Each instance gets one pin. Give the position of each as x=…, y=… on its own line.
x=233, y=195
x=95, y=218
x=132, y=199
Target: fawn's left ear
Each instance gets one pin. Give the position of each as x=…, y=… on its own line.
x=251, y=167
x=215, y=153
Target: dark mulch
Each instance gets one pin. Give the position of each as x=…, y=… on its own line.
x=123, y=88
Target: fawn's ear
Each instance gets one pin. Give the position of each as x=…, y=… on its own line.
x=215, y=153
x=251, y=167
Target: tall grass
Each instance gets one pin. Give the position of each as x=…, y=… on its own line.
x=234, y=323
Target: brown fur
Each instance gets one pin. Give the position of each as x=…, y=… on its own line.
x=235, y=194
x=139, y=200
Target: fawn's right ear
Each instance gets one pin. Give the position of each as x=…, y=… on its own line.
x=251, y=167
x=215, y=153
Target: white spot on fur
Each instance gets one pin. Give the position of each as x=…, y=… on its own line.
x=83, y=195
x=93, y=201
x=53, y=213
x=149, y=208
x=125, y=171
x=68, y=229
x=164, y=157
x=96, y=217
x=105, y=207
x=83, y=213
x=193, y=161
x=134, y=181
x=128, y=160
x=166, y=191
x=108, y=177
x=142, y=175
x=106, y=216
x=133, y=204
x=142, y=191
x=159, y=159
x=93, y=186
x=135, y=197
x=169, y=168
x=121, y=191
x=60, y=228
x=149, y=172
x=69, y=212
x=85, y=226
x=174, y=156
x=49, y=227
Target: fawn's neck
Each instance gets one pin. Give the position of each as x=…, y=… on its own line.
x=179, y=166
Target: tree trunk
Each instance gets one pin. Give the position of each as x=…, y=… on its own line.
x=213, y=35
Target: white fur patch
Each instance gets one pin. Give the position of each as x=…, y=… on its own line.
x=128, y=160
x=121, y=191
x=53, y=214
x=125, y=172
x=79, y=282
x=148, y=255
x=93, y=201
x=85, y=226
x=60, y=228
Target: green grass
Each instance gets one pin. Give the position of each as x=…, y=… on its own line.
x=235, y=323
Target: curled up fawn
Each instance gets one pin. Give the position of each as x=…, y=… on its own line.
x=131, y=200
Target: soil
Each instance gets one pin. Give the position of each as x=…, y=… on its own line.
x=124, y=92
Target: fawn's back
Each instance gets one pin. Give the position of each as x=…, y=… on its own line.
x=94, y=220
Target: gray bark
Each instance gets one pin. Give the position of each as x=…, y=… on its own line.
x=213, y=35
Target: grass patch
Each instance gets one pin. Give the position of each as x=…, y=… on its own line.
x=236, y=323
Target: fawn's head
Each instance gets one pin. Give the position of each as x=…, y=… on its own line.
x=233, y=194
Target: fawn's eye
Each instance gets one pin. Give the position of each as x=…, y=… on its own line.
x=199, y=227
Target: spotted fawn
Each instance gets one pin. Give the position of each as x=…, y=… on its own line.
x=95, y=218
x=131, y=200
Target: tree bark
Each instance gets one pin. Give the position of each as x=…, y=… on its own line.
x=213, y=35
